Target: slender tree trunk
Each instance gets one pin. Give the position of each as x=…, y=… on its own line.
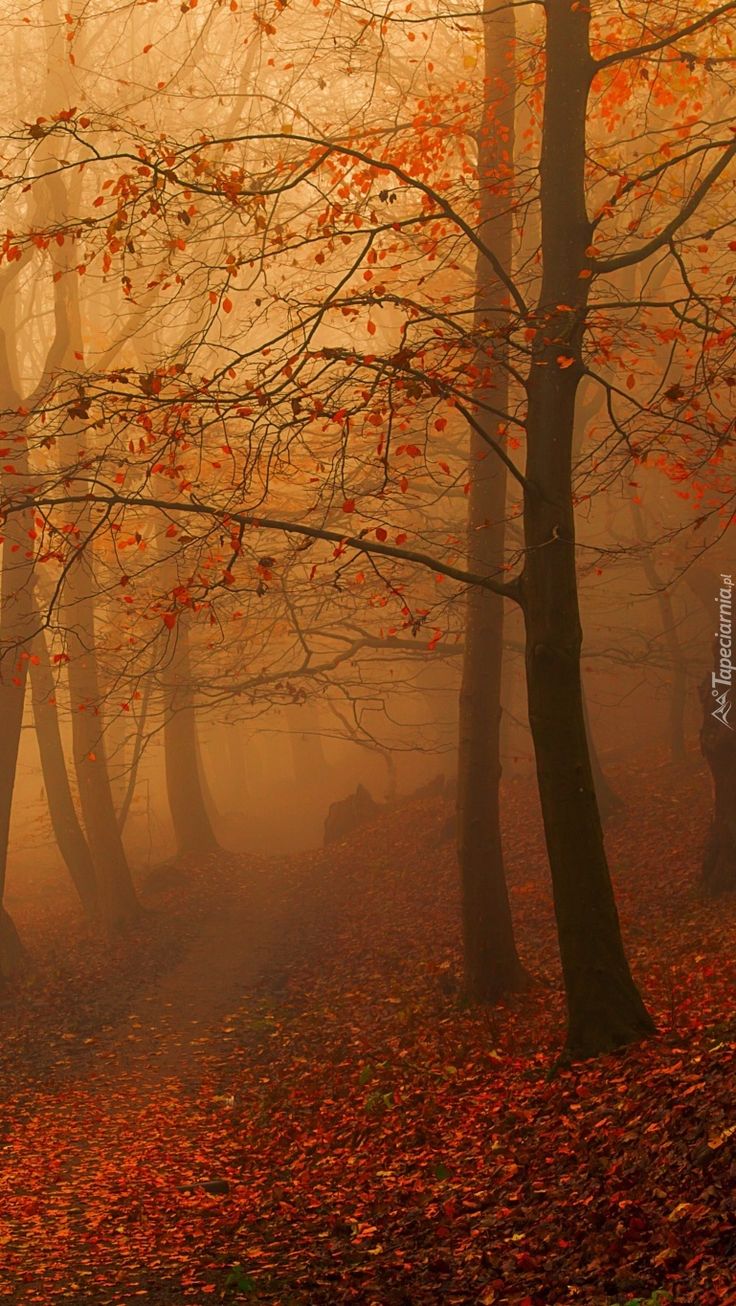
x=718, y=746
x=491, y=962
x=192, y=826
x=237, y=769
x=118, y=905
x=677, y=703
x=138, y=744
x=605, y=1009
x=65, y=823
x=677, y=708
x=609, y=801
x=208, y=797
x=311, y=766
x=16, y=620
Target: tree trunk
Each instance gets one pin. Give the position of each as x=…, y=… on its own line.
x=16, y=621
x=118, y=904
x=491, y=962
x=65, y=823
x=208, y=797
x=237, y=766
x=14, y=960
x=677, y=707
x=192, y=826
x=718, y=745
x=311, y=767
x=138, y=746
x=605, y=1009
x=609, y=801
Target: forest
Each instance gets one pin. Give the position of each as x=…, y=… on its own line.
x=367, y=754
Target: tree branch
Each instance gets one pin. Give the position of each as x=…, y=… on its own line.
x=110, y=499
x=665, y=236
x=620, y=56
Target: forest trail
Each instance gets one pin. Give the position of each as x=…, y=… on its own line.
x=177, y=1020
x=140, y=1095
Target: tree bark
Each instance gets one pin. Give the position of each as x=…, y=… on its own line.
x=68, y=832
x=605, y=1010
x=491, y=962
x=138, y=746
x=16, y=621
x=192, y=827
x=118, y=904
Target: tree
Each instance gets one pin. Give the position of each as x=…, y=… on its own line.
x=491, y=962
x=192, y=826
x=68, y=832
x=718, y=744
x=311, y=419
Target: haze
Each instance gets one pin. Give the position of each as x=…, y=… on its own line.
x=367, y=769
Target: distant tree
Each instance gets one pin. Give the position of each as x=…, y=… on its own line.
x=491, y=962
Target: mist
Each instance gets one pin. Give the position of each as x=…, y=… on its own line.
x=367, y=769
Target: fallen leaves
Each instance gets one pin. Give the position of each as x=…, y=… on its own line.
x=350, y=1133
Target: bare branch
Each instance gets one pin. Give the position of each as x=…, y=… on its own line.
x=665, y=236
x=636, y=52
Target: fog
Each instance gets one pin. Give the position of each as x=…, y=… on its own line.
x=366, y=766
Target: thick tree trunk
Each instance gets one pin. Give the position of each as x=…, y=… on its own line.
x=192, y=826
x=118, y=905
x=64, y=821
x=605, y=1010
x=491, y=962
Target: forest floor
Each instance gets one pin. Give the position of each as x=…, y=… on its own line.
x=270, y=1092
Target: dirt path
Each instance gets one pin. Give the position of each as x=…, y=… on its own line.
x=177, y=1020
x=103, y=1146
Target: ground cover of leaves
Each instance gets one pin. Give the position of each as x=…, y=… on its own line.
x=329, y=1124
